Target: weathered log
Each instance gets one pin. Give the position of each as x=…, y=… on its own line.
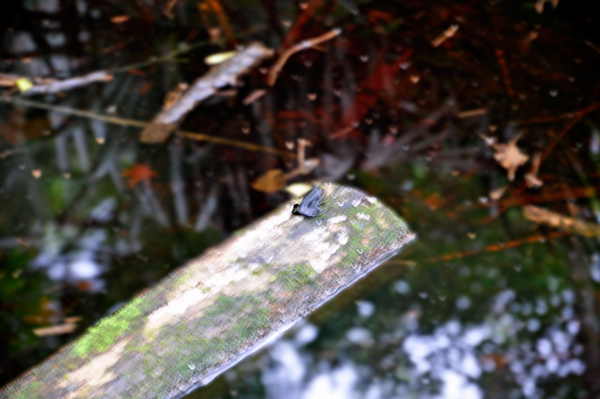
x=224, y=305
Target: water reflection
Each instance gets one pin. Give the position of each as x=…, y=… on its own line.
x=455, y=361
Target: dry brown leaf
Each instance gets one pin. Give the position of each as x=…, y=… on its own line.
x=509, y=156
x=138, y=173
x=433, y=202
x=270, y=182
x=119, y=19
x=274, y=179
x=556, y=220
x=497, y=193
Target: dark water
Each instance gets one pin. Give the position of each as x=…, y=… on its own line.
x=489, y=302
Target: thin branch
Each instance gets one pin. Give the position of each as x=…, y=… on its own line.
x=139, y=124
x=535, y=239
x=554, y=118
x=168, y=10
x=49, y=85
x=472, y=112
x=505, y=71
x=305, y=44
x=234, y=143
x=68, y=84
x=447, y=34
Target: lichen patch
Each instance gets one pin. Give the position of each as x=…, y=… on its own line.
x=337, y=219
x=166, y=314
x=324, y=252
x=364, y=216
x=342, y=237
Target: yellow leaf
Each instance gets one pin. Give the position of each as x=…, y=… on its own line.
x=218, y=58
x=298, y=189
x=24, y=84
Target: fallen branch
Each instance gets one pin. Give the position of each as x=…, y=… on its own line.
x=556, y=220
x=493, y=248
x=220, y=76
x=135, y=123
x=57, y=86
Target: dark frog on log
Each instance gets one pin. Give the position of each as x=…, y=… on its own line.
x=311, y=203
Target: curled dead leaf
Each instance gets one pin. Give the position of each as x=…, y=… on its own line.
x=270, y=182
x=497, y=193
x=509, y=156
x=119, y=19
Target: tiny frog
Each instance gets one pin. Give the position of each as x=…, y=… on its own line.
x=311, y=203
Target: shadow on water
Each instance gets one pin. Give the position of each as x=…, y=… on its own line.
x=477, y=122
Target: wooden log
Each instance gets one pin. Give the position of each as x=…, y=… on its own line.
x=224, y=305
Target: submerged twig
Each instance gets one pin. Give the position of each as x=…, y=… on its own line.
x=305, y=44
x=40, y=85
x=135, y=123
x=535, y=239
x=447, y=34
x=505, y=72
x=556, y=117
x=68, y=84
x=556, y=220
x=472, y=112
x=234, y=143
x=223, y=74
x=168, y=10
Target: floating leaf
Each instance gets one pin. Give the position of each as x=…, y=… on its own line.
x=24, y=84
x=217, y=58
x=137, y=173
x=270, y=182
x=298, y=189
x=509, y=156
x=119, y=19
